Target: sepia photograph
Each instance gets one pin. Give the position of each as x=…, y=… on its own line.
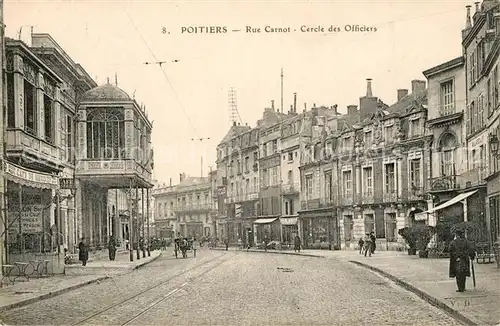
x=245, y=162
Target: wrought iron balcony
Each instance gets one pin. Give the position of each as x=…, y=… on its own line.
x=290, y=188
x=347, y=199
x=443, y=183
x=367, y=197
x=390, y=197
x=415, y=193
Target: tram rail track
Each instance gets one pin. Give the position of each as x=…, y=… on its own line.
x=219, y=260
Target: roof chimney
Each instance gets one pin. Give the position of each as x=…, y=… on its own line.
x=468, y=23
x=294, y=102
x=335, y=108
x=272, y=104
x=170, y=182
x=305, y=107
x=352, y=110
x=234, y=123
x=417, y=85
x=182, y=176
x=369, y=87
x=478, y=9
x=402, y=93
x=291, y=108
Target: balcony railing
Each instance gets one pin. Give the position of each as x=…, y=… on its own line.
x=367, y=197
x=443, y=183
x=290, y=188
x=415, y=193
x=390, y=197
x=347, y=199
x=20, y=141
x=199, y=207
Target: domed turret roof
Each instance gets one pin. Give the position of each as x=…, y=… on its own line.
x=106, y=92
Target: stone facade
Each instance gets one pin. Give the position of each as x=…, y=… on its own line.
x=185, y=208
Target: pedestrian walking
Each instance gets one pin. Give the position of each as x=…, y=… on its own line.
x=195, y=246
x=360, y=244
x=112, y=248
x=374, y=243
x=461, y=252
x=296, y=244
x=226, y=242
x=368, y=245
x=83, y=252
x=126, y=244
x=240, y=244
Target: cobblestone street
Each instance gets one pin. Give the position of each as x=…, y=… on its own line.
x=232, y=288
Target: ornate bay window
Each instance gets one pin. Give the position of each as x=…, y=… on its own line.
x=105, y=133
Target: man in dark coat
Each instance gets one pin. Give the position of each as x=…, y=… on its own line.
x=83, y=252
x=297, y=243
x=374, y=244
x=112, y=248
x=461, y=251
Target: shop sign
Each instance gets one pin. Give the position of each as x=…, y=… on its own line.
x=29, y=178
x=67, y=183
x=31, y=219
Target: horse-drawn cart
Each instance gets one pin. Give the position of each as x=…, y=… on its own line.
x=183, y=245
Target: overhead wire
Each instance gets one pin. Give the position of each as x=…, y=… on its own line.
x=162, y=70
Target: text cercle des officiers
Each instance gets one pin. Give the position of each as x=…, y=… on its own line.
x=268, y=29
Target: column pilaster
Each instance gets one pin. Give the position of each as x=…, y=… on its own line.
x=18, y=92
x=40, y=107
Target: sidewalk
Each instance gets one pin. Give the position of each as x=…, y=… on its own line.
x=428, y=278
x=24, y=293
x=103, y=266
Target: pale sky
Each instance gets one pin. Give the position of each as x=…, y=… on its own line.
x=109, y=37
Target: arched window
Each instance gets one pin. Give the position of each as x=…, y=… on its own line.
x=105, y=134
x=447, y=145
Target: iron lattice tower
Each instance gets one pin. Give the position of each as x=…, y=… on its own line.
x=233, y=106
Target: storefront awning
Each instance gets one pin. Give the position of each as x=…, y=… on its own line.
x=288, y=220
x=452, y=201
x=30, y=178
x=265, y=220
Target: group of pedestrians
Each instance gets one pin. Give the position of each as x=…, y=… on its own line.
x=367, y=245
x=83, y=250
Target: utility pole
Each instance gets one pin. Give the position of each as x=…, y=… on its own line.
x=3, y=215
x=201, y=139
x=281, y=90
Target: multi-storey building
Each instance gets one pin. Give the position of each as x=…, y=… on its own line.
x=267, y=226
x=451, y=182
x=488, y=22
x=185, y=208
x=228, y=181
x=165, y=201
x=381, y=166
x=43, y=87
x=291, y=134
x=318, y=176
x=480, y=41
